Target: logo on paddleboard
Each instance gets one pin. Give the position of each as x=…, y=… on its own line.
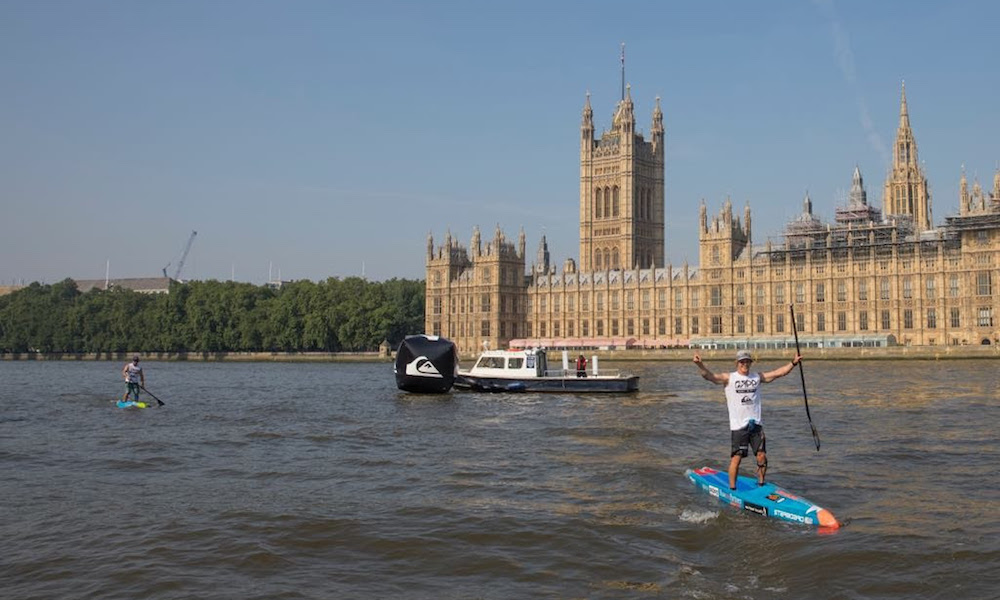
x=422, y=367
x=755, y=508
x=775, y=498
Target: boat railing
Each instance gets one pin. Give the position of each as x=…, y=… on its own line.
x=590, y=373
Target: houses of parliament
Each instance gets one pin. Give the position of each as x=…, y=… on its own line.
x=873, y=277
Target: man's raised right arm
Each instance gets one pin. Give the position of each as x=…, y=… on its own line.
x=720, y=378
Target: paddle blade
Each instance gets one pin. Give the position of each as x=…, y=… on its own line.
x=815, y=435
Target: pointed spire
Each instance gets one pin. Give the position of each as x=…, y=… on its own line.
x=542, y=258
x=858, y=196
x=996, y=185
x=588, y=112
x=904, y=114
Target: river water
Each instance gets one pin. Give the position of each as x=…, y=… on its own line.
x=325, y=481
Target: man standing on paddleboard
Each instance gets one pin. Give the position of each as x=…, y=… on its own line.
x=743, y=399
x=134, y=378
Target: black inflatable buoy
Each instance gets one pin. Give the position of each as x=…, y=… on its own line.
x=426, y=364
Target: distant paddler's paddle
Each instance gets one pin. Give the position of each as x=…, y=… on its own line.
x=160, y=402
x=805, y=396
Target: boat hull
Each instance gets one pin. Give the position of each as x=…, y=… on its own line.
x=548, y=384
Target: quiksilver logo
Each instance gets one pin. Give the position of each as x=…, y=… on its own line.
x=422, y=367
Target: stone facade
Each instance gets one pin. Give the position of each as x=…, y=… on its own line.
x=868, y=279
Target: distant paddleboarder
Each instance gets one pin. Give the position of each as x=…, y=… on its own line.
x=135, y=379
x=743, y=399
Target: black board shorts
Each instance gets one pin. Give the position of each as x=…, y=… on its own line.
x=745, y=439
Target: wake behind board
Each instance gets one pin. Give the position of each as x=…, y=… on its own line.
x=767, y=500
x=131, y=404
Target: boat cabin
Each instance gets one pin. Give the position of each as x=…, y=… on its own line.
x=511, y=363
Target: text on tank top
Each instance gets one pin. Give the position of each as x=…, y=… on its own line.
x=743, y=399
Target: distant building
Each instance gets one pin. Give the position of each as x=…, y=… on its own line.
x=146, y=285
x=868, y=279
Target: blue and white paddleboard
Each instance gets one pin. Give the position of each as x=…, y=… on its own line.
x=767, y=500
x=131, y=404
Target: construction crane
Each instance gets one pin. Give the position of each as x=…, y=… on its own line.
x=180, y=264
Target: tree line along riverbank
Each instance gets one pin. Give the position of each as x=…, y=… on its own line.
x=211, y=318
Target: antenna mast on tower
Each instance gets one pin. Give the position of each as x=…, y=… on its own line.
x=623, y=70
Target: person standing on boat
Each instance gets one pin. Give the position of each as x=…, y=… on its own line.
x=135, y=379
x=581, y=366
x=743, y=399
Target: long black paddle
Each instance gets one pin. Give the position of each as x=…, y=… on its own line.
x=805, y=396
x=160, y=402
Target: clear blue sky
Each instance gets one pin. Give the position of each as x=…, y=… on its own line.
x=325, y=137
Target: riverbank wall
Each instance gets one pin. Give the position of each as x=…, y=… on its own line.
x=617, y=355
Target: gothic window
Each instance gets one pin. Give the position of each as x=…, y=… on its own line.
x=716, y=299
x=886, y=324
x=931, y=288
x=779, y=293
x=862, y=290
x=953, y=286
x=820, y=322
x=760, y=323
x=597, y=203
x=883, y=289
x=931, y=318
x=820, y=292
x=607, y=202
x=694, y=325
x=678, y=326
x=614, y=300
x=908, y=319
x=614, y=259
x=956, y=320
x=907, y=287
x=614, y=211
x=716, y=324
x=597, y=260
x=863, y=320
x=841, y=291
x=614, y=327
x=842, y=321
x=984, y=283
x=607, y=259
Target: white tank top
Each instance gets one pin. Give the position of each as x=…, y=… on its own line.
x=743, y=398
x=132, y=376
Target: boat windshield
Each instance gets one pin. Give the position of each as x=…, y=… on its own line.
x=491, y=362
x=515, y=363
